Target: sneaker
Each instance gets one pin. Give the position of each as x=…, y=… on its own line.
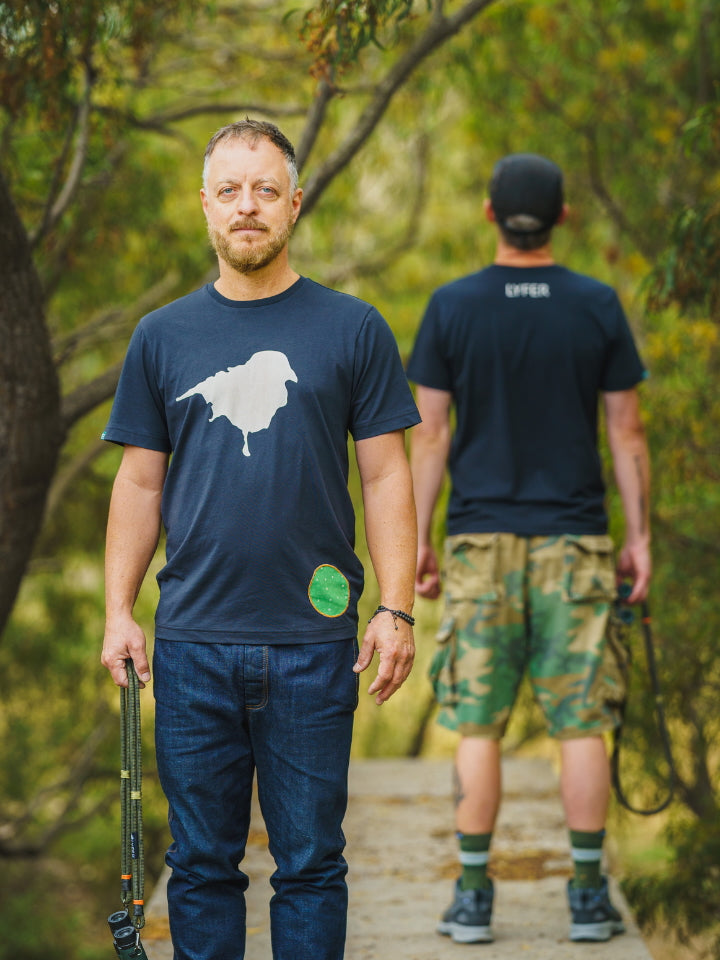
x=467, y=919
x=593, y=915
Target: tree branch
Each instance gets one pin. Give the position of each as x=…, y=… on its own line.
x=607, y=201
x=108, y=322
x=228, y=55
x=56, y=259
x=63, y=820
x=440, y=29
x=259, y=6
x=162, y=122
x=315, y=117
x=67, y=476
x=84, y=399
x=55, y=211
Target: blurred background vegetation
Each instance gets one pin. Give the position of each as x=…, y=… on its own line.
x=399, y=111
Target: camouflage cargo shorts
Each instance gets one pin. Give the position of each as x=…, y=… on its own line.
x=539, y=605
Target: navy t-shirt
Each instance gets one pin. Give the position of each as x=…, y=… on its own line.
x=255, y=401
x=525, y=352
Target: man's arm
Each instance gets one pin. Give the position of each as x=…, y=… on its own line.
x=428, y=459
x=631, y=462
x=390, y=528
x=132, y=537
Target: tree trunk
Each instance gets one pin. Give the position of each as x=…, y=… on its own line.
x=30, y=430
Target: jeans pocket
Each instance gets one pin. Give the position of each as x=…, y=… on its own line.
x=589, y=569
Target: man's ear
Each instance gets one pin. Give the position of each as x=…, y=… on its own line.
x=564, y=214
x=297, y=203
x=489, y=212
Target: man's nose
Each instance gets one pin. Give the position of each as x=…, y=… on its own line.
x=246, y=201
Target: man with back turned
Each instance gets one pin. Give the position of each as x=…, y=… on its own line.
x=521, y=352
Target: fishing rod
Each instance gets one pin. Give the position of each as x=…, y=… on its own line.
x=125, y=924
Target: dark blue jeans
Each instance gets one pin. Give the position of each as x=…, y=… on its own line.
x=224, y=712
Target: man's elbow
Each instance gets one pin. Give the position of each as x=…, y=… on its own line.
x=431, y=434
x=628, y=432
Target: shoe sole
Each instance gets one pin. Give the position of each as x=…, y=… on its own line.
x=596, y=932
x=462, y=933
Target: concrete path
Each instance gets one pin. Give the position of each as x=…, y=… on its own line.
x=403, y=862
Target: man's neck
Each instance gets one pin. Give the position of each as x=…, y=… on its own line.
x=507, y=256
x=260, y=284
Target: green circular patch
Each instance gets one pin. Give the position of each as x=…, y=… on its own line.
x=329, y=591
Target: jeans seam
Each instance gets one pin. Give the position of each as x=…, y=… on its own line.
x=251, y=708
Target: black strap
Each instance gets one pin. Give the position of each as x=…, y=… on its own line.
x=661, y=723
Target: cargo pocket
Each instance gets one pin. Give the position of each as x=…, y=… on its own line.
x=472, y=568
x=589, y=569
x=615, y=667
x=442, y=666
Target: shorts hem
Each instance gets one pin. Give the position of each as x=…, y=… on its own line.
x=466, y=729
x=580, y=733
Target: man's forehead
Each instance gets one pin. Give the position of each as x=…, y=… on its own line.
x=258, y=157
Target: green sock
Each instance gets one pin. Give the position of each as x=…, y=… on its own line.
x=587, y=857
x=474, y=857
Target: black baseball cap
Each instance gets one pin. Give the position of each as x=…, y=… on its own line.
x=526, y=193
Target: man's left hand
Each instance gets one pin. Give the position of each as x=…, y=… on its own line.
x=396, y=649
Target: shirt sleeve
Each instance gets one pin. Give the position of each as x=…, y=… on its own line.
x=623, y=367
x=381, y=398
x=428, y=365
x=138, y=412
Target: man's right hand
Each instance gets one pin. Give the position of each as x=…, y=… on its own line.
x=427, y=575
x=634, y=563
x=125, y=640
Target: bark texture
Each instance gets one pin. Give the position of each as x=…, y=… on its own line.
x=30, y=430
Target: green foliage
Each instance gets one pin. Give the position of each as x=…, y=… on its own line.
x=336, y=31
x=43, y=44
x=683, y=897
x=688, y=274
x=683, y=351
x=605, y=90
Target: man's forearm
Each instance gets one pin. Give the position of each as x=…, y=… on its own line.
x=428, y=456
x=632, y=474
x=428, y=459
x=631, y=465
x=391, y=532
x=132, y=537
x=631, y=462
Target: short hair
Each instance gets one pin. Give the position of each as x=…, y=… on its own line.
x=251, y=131
x=525, y=241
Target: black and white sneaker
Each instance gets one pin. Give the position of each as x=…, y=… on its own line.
x=593, y=915
x=467, y=919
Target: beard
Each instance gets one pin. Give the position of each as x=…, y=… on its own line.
x=248, y=257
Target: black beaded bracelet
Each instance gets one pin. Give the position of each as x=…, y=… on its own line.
x=395, y=614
